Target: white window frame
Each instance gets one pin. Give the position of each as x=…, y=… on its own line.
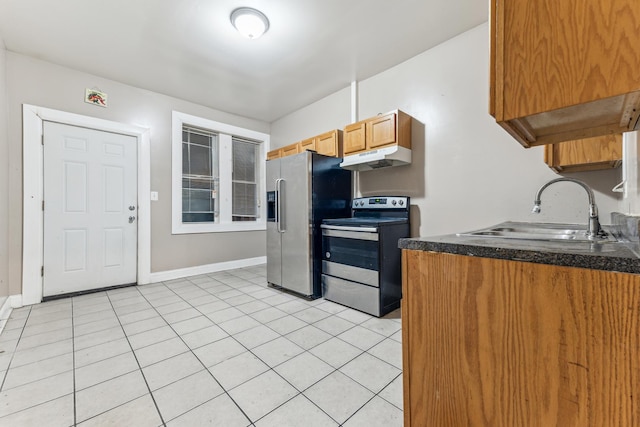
x=225, y=132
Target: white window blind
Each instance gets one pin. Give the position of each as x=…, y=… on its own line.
x=200, y=176
x=244, y=177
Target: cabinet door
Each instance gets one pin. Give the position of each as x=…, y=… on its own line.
x=327, y=144
x=308, y=145
x=273, y=154
x=381, y=131
x=290, y=149
x=564, y=70
x=602, y=152
x=354, y=138
x=577, y=56
x=533, y=344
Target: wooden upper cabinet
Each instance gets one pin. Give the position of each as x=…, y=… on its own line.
x=274, y=154
x=329, y=143
x=384, y=130
x=381, y=130
x=602, y=152
x=564, y=70
x=284, y=151
x=291, y=149
x=308, y=145
x=354, y=138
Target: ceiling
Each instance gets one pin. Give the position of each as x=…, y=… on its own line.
x=188, y=49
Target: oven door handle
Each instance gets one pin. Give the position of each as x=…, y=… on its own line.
x=345, y=228
x=357, y=233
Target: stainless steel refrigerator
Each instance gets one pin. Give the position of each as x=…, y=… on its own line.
x=302, y=190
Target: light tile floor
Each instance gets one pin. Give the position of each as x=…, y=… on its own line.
x=220, y=349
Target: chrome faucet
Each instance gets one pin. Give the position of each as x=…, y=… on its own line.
x=594, y=231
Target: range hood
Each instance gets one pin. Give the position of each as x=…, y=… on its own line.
x=377, y=159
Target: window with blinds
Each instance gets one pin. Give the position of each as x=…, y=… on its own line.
x=217, y=176
x=244, y=179
x=200, y=177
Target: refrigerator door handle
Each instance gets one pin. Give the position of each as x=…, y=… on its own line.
x=278, y=205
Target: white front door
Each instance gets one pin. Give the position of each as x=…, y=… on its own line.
x=90, y=209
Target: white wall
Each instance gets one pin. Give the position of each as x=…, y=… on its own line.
x=329, y=113
x=4, y=180
x=32, y=81
x=467, y=172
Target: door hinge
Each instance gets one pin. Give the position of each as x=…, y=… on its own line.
x=42, y=139
x=43, y=205
x=42, y=271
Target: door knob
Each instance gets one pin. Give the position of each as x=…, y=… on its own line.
x=131, y=219
x=132, y=208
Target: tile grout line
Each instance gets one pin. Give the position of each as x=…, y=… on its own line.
x=13, y=353
x=334, y=369
x=299, y=393
x=30, y=382
x=272, y=368
x=385, y=387
x=186, y=292
x=229, y=336
x=361, y=352
x=366, y=351
x=248, y=350
x=360, y=408
x=73, y=358
x=194, y=355
x=139, y=366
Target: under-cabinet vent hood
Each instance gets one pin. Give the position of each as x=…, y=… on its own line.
x=377, y=159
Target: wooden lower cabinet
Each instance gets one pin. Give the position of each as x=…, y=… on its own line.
x=490, y=342
x=601, y=152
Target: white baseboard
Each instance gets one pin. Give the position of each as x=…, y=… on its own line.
x=5, y=309
x=16, y=301
x=162, y=276
x=9, y=303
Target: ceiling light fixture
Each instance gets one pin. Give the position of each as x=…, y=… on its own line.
x=249, y=22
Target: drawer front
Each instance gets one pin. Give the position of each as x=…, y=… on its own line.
x=355, y=295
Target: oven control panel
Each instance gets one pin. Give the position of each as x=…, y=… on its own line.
x=381, y=202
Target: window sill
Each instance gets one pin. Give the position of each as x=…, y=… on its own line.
x=217, y=228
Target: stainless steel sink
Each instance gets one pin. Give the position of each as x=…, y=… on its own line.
x=539, y=231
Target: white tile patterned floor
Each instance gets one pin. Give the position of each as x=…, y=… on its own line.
x=221, y=349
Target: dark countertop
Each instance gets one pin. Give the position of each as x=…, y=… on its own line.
x=619, y=256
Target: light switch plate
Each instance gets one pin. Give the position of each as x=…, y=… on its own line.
x=154, y=195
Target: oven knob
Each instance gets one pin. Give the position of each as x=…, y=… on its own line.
x=401, y=202
x=361, y=203
x=393, y=203
x=327, y=255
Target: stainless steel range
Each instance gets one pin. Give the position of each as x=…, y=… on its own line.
x=361, y=264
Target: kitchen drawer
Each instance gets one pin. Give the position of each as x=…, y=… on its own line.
x=355, y=295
